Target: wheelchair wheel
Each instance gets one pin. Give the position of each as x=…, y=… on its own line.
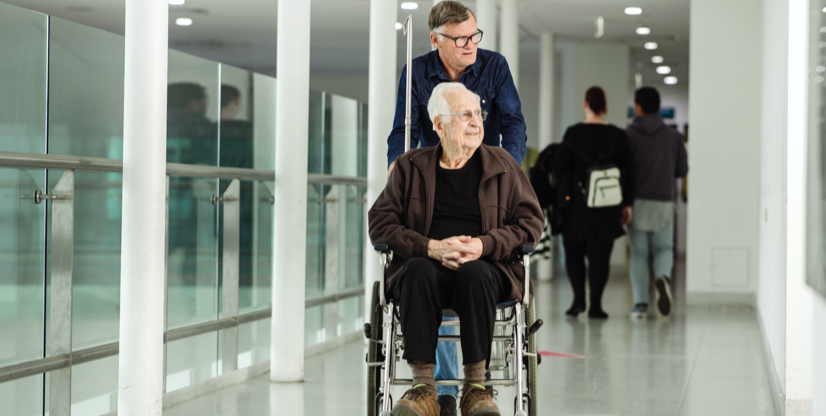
x=533, y=365
x=374, y=353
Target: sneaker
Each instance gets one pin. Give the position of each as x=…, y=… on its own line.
x=478, y=401
x=418, y=401
x=664, y=298
x=448, y=405
x=640, y=311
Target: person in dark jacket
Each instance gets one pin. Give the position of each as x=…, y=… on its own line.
x=659, y=158
x=455, y=216
x=591, y=231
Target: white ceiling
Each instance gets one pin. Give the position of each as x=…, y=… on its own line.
x=243, y=33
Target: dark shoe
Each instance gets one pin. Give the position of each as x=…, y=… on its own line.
x=478, y=401
x=447, y=405
x=664, y=298
x=418, y=401
x=597, y=313
x=575, y=310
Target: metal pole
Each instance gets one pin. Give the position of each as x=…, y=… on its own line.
x=140, y=364
x=408, y=30
x=229, y=293
x=546, y=123
x=290, y=220
x=60, y=328
x=383, y=90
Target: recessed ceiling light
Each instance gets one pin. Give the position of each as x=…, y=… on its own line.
x=662, y=70
x=633, y=10
x=824, y=10
x=176, y=2
x=410, y=5
x=643, y=30
x=399, y=26
x=820, y=68
x=657, y=59
x=183, y=21
x=670, y=80
x=823, y=30
x=818, y=79
x=650, y=45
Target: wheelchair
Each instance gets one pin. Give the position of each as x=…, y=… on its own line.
x=514, y=352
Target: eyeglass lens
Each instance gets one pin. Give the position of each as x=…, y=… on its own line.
x=461, y=41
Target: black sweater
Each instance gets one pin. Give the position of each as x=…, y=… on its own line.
x=605, y=144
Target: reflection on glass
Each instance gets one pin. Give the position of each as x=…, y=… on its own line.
x=255, y=291
x=193, y=251
x=254, y=342
x=192, y=110
x=21, y=285
x=318, y=134
x=86, y=68
x=23, y=80
x=94, y=387
x=191, y=360
x=22, y=129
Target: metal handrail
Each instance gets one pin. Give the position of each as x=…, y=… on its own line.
x=70, y=163
x=43, y=161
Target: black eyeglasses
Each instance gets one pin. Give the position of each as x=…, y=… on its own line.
x=461, y=41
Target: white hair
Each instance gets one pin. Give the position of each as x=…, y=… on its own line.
x=438, y=105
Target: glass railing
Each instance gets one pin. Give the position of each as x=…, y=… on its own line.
x=61, y=132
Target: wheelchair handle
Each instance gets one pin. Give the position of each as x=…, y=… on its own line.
x=381, y=247
x=526, y=263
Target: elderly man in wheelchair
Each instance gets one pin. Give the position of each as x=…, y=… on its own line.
x=457, y=218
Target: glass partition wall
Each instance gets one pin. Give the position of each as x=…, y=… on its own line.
x=61, y=93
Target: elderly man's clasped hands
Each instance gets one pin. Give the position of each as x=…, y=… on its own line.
x=453, y=252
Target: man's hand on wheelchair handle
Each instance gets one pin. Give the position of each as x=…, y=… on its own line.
x=455, y=251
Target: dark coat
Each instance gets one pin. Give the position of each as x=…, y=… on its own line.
x=605, y=144
x=659, y=157
x=511, y=216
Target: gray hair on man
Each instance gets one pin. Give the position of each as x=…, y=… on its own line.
x=438, y=103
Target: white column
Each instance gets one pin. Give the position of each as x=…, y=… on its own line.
x=140, y=362
x=546, y=116
x=290, y=220
x=509, y=43
x=382, y=103
x=344, y=136
x=486, y=20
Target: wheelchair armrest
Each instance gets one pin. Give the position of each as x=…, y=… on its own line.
x=527, y=249
x=381, y=248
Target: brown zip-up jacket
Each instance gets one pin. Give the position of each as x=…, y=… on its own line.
x=511, y=216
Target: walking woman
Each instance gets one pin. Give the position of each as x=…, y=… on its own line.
x=597, y=210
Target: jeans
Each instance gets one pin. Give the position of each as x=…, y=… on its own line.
x=661, y=243
x=447, y=362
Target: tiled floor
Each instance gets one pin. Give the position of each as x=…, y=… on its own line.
x=705, y=361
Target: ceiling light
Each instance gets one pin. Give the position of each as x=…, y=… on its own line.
x=657, y=59
x=823, y=30
x=662, y=70
x=670, y=80
x=824, y=10
x=183, y=21
x=643, y=30
x=176, y=2
x=820, y=68
x=410, y=5
x=399, y=26
x=650, y=45
x=633, y=10
x=818, y=79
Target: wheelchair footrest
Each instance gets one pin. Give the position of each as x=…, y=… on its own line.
x=491, y=382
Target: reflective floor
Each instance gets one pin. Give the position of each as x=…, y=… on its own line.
x=705, y=360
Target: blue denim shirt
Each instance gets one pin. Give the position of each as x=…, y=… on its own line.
x=490, y=78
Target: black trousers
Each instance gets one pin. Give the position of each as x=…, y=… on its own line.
x=424, y=287
x=598, y=252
